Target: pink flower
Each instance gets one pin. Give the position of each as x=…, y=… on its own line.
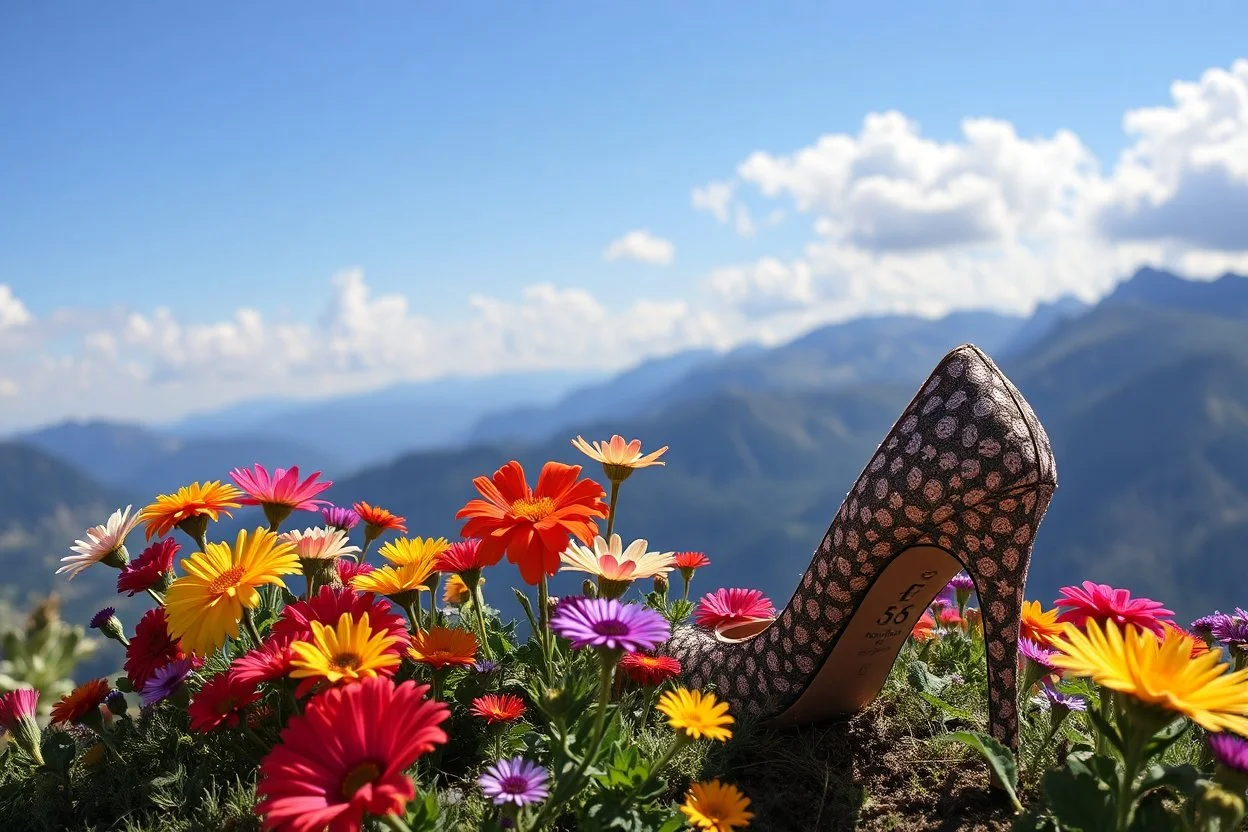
x=348, y=569
x=281, y=489
x=17, y=705
x=1101, y=603
x=728, y=606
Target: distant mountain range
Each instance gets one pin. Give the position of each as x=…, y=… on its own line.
x=1145, y=396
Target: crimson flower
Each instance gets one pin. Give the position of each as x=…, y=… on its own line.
x=148, y=570
x=729, y=606
x=1101, y=603
x=220, y=702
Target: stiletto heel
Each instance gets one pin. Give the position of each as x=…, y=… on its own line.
x=962, y=481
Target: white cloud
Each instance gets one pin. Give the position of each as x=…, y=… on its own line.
x=642, y=246
x=1185, y=177
x=765, y=287
x=714, y=198
x=8, y=388
x=13, y=313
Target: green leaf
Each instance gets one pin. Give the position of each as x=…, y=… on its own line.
x=952, y=711
x=1081, y=794
x=1182, y=778
x=1036, y=820
x=122, y=684
x=1000, y=759
x=59, y=751
x=1153, y=816
x=1166, y=737
x=923, y=680
x=1105, y=729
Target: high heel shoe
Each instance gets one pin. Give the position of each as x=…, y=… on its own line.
x=960, y=482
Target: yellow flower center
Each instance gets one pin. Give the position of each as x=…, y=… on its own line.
x=345, y=661
x=359, y=777
x=226, y=582
x=533, y=509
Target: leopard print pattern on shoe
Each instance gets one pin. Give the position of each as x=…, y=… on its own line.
x=968, y=468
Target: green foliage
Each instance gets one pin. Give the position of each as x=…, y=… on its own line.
x=42, y=654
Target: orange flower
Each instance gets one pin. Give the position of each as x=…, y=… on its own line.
x=495, y=708
x=924, y=628
x=377, y=520
x=1198, y=646
x=1039, y=626
x=444, y=647
x=532, y=525
x=189, y=508
x=81, y=701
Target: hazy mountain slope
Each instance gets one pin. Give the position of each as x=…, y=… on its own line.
x=376, y=426
x=145, y=463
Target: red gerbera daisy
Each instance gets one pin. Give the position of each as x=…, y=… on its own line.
x=149, y=568
x=79, y=702
x=728, y=606
x=348, y=569
x=651, y=671
x=498, y=708
x=462, y=556
x=378, y=520
x=532, y=525
x=344, y=757
x=265, y=664
x=691, y=560
x=328, y=605
x=1102, y=603
x=220, y=702
x=151, y=648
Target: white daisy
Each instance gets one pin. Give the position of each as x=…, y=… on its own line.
x=104, y=543
x=613, y=563
x=320, y=544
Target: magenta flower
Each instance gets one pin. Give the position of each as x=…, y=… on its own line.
x=344, y=518
x=150, y=569
x=1230, y=751
x=281, y=493
x=17, y=715
x=267, y=663
x=606, y=623
x=729, y=606
x=515, y=781
x=1101, y=603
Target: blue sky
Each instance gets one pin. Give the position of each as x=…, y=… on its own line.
x=209, y=158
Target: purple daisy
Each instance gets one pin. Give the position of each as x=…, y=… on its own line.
x=1205, y=625
x=1232, y=630
x=1067, y=701
x=515, y=781
x=602, y=622
x=1028, y=649
x=961, y=581
x=165, y=682
x=101, y=618
x=1230, y=751
x=485, y=666
x=339, y=517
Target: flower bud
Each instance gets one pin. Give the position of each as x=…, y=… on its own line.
x=589, y=589
x=116, y=702
x=107, y=622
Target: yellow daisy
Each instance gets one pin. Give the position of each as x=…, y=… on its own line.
x=716, y=807
x=206, y=604
x=1157, y=672
x=456, y=591
x=694, y=714
x=346, y=653
x=1038, y=625
x=419, y=550
x=400, y=584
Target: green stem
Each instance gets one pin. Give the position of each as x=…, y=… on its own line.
x=543, y=618
x=250, y=624
x=688, y=580
x=678, y=743
x=251, y=735
x=156, y=596
x=645, y=711
x=311, y=586
x=609, y=660
x=479, y=602
x=396, y=823
x=1132, y=760
x=1107, y=716
x=615, y=497
x=412, y=615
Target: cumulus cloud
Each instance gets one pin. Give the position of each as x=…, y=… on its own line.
x=642, y=246
x=1185, y=177
x=13, y=313
x=715, y=198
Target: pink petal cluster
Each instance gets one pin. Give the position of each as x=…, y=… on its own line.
x=1101, y=603
x=728, y=606
x=282, y=488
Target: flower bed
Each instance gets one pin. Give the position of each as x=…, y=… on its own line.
x=352, y=699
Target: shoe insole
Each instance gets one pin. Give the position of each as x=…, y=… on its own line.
x=868, y=646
